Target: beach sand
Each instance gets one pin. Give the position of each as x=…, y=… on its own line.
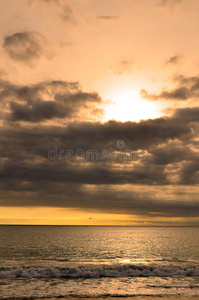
x=173, y=297
x=163, y=297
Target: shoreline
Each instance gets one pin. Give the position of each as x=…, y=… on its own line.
x=133, y=297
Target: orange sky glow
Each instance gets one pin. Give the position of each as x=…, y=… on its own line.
x=88, y=75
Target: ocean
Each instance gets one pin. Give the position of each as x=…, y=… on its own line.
x=93, y=261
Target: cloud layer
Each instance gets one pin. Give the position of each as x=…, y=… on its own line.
x=25, y=47
x=55, y=115
x=187, y=88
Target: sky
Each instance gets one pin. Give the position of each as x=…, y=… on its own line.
x=99, y=112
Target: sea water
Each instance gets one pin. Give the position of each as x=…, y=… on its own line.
x=93, y=261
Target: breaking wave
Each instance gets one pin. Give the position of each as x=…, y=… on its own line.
x=97, y=271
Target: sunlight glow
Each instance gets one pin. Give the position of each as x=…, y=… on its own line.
x=126, y=261
x=129, y=106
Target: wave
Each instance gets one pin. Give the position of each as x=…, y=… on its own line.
x=97, y=271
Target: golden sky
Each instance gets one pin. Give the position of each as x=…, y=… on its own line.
x=116, y=79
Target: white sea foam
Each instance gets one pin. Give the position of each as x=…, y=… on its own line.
x=97, y=271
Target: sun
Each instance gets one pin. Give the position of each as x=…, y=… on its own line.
x=128, y=105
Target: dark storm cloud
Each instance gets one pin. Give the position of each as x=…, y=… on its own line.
x=62, y=107
x=188, y=114
x=25, y=46
x=31, y=118
x=103, y=199
x=188, y=87
x=38, y=111
x=137, y=135
x=63, y=171
x=25, y=151
x=38, y=139
x=47, y=100
x=190, y=171
x=170, y=153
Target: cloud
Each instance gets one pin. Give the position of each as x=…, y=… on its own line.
x=48, y=100
x=188, y=88
x=36, y=118
x=188, y=114
x=56, y=2
x=181, y=93
x=123, y=66
x=170, y=3
x=107, y=18
x=27, y=147
x=190, y=171
x=65, y=11
x=173, y=60
x=67, y=15
x=192, y=82
x=106, y=199
x=53, y=1
x=169, y=153
x=25, y=47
